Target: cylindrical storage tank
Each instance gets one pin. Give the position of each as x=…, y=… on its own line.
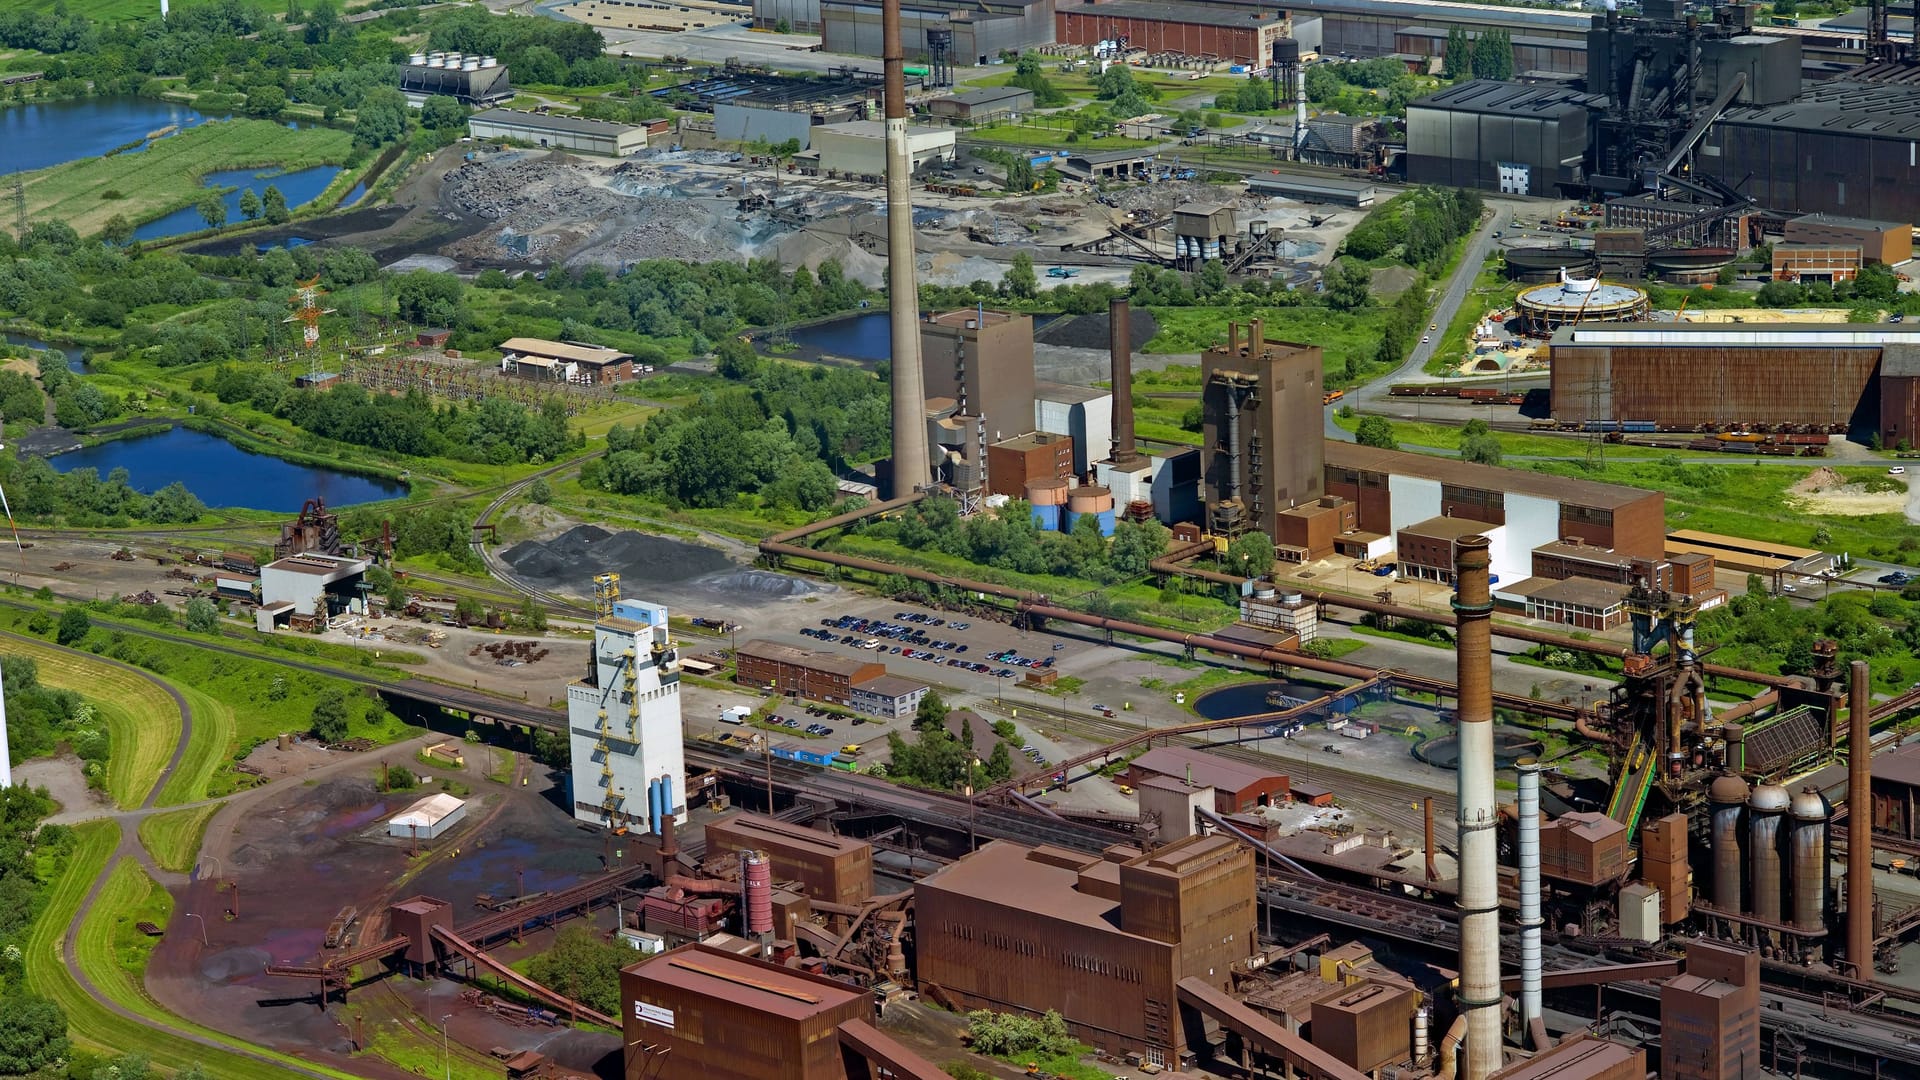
x=1765, y=812
x=1089, y=499
x=1265, y=591
x=1286, y=50
x=1108, y=519
x=1809, y=847
x=1047, y=497
x=756, y=886
x=1046, y=518
x=1727, y=794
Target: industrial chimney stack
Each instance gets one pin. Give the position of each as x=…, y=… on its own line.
x=1479, y=898
x=910, y=469
x=1860, y=821
x=1120, y=347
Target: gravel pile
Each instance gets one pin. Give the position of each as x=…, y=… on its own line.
x=763, y=584
x=568, y=562
x=1090, y=331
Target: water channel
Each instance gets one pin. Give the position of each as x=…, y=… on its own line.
x=75, y=356
x=224, y=475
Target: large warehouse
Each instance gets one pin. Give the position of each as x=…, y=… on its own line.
x=1835, y=377
x=1234, y=35
x=858, y=148
x=1496, y=136
x=979, y=30
x=1840, y=148
x=558, y=132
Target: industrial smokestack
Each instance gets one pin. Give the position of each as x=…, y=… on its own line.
x=1479, y=898
x=1860, y=820
x=910, y=467
x=1300, y=111
x=1530, y=920
x=1120, y=348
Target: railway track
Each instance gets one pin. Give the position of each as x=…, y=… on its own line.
x=497, y=567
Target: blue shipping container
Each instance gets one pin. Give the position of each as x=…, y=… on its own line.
x=1039, y=160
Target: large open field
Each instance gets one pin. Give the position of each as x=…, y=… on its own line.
x=103, y=10
x=166, y=175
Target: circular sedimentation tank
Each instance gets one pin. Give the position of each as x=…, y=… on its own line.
x=1570, y=301
x=1508, y=747
x=1690, y=266
x=1544, y=264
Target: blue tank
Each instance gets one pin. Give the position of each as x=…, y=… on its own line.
x=1047, y=518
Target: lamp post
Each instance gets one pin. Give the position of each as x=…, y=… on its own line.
x=446, y=1062
x=203, y=927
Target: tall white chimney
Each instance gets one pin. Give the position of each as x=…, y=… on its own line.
x=1530, y=920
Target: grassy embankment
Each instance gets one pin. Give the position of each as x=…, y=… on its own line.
x=142, y=722
x=173, y=839
x=166, y=175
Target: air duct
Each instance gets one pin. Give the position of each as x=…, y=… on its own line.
x=1479, y=897
x=1530, y=920
x=911, y=471
x=1860, y=820
x=1120, y=349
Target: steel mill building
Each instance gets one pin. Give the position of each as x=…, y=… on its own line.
x=1831, y=377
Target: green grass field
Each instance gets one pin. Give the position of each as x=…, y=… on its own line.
x=143, y=723
x=1041, y=138
x=174, y=839
x=1340, y=334
x=166, y=176
x=128, y=898
x=102, y=10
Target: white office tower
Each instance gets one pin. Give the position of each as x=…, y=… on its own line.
x=623, y=723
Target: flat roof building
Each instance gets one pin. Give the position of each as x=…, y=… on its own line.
x=862, y=685
x=1889, y=242
x=1237, y=36
x=1022, y=929
x=1016, y=462
x=316, y=585
x=1582, y=603
x=558, y=132
x=700, y=1011
x=1499, y=136
x=1426, y=548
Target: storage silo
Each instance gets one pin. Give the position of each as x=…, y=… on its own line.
x=1047, y=497
x=1727, y=794
x=756, y=888
x=1765, y=838
x=1089, y=499
x=1809, y=868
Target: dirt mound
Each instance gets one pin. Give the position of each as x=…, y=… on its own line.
x=761, y=583
x=569, y=561
x=1821, y=479
x=1091, y=331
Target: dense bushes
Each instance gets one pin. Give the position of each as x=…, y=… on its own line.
x=1420, y=224
x=81, y=498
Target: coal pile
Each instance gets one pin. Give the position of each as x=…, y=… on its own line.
x=760, y=583
x=568, y=562
x=1091, y=331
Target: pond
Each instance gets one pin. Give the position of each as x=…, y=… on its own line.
x=49, y=133
x=222, y=474
x=298, y=187
x=866, y=336
x=73, y=353
x=1250, y=699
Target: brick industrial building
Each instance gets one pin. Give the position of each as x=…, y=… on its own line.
x=822, y=676
x=1235, y=34
x=535, y=358
x=1103, y=941
x=836, y=869
x=983, y=359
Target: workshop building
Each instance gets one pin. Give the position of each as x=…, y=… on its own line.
x=1426, y=548
x=1582, y=603
x=836, y=869
x=1018, y=929
x=977, y=30
x=428, y=819
x=1827, y=263
x=1237, y=786
x=717, y=1015
x=558, y=132
x=1236, y=35
x=858, y=148
x=983, y=106
x=538, y=358
x=887, y=696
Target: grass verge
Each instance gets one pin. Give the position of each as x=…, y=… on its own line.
x=174, y=839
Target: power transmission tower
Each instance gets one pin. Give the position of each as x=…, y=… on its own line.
x=1597, y=417
x=20, y=208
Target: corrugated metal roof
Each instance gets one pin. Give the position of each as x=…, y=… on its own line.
x=546, y=122
x=1508, y=99
x=709, y=973
x=1204, y=769
x=1563, y=489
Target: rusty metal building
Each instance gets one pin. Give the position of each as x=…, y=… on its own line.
x=699, y=1011
x=831, y=868
x=1236, y=785
x=1710, y=1017
x=1236, y=35
x=1582, y=1057
x=1104, y=942
x=983, y=360
x=1889, y=242
x=1261, y=404
x=1689, y=376
x=1583, y=848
